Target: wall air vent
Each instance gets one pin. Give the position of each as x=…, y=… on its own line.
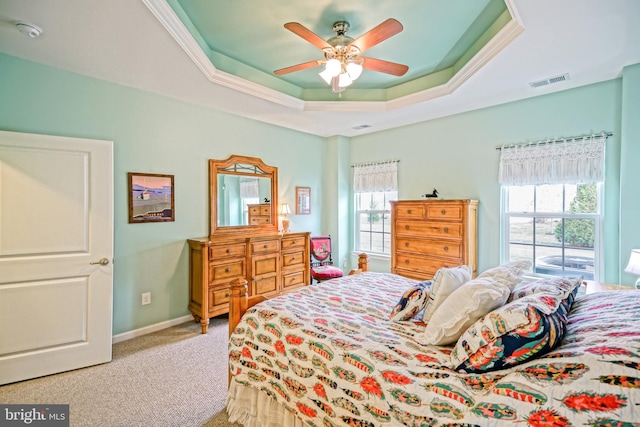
x=550, y=80
x=362, y=127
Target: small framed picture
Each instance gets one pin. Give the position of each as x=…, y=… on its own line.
x=303, y=200
x=150, y=198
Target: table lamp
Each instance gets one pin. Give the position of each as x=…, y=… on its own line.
x=634, y=265
x=286, y=210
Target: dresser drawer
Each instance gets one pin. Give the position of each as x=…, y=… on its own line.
x=293, y=279
x=218, y=296
x=264, y=286
x=254, y=210
x=428, y=247
x=410, y=211
x=451, y=230
x=419, y=264
x=448, y=212
x=226, y=271
x=293, y=242
x=264, y=264
x=265, y=246
x=292, y=259
x=221, y=252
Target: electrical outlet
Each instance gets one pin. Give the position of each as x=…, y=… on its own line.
x=146, y=298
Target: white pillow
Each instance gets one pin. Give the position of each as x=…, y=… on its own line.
x=445, y=281
x=507, y=274
x=463, y=308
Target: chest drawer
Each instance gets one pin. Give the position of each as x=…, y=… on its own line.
x=428, y=247
x=226, y=271
x=421, y=267
x=221, y=252
x=450, y=230
x=293, y=259
x=292, y=279
x=265, y=246
x=410, y=211
x=265, y=264
x=257, y=220
x=448, y=212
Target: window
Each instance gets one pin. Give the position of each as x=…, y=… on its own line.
x=373, y=221
x=555, y=226
x=552, y=198
x=374, y=186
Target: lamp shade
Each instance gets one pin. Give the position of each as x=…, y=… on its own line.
x=285, y=209
x=634, y=263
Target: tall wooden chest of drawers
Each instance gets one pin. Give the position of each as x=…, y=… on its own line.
x=429, y=234
x=271, y=263
x=259, y=214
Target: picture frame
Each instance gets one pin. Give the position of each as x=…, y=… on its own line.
x=151, y=198
x=303, y=200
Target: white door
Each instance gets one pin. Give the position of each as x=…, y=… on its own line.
x=56, y=225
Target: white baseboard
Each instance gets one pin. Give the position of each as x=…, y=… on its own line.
x=149, y=329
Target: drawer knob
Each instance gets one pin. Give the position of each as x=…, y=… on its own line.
x=228, y=270
x=406, y=227
x=446, y=229
x=408, y=211
x=406, y=261
x=443, y=211
x=227, y=295
x=293, y=242
x=406, y=244
x=446, y=249
x=293, y=258
x=228, y=251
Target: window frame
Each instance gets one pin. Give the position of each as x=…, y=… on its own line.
x=597, y=217
x=382, y=212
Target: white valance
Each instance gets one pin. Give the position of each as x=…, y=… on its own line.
x=562, y=161
x=375, y=177
x=249, y=189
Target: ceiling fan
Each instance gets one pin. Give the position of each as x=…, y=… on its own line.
x=342, y=54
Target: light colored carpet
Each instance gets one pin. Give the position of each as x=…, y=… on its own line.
x=176, y=377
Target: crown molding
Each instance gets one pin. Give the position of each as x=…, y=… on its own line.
x=168, y=18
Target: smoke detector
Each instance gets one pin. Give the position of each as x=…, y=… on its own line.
x=29, y=30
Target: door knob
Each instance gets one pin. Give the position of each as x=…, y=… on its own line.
x=101, y=261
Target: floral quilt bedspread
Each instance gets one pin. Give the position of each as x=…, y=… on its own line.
x=330, y=354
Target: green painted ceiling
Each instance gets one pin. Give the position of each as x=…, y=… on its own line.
x=247, y=39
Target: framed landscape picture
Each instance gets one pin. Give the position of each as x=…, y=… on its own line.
x=150, y=198
x=303, y=200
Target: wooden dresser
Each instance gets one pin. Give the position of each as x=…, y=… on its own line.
x=259, y=214
x=429, y=234
x=271, y=263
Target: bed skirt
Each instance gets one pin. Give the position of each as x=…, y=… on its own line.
x=254, y=408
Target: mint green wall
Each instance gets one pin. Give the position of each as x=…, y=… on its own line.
x=458, y=156
x=155, y=134
x=629, y=168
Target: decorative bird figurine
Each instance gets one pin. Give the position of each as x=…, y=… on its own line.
x=434, y=194
x=267, y=200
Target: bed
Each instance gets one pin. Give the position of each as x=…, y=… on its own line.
x=329, y=355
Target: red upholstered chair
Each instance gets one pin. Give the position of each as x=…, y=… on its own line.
x=321, y=260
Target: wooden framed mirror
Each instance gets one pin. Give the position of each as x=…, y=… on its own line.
x=243, y=193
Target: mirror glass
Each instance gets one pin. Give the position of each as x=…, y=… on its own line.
x=243, y=200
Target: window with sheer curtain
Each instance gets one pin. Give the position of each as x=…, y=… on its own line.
x=374, y=186
x=552, y=205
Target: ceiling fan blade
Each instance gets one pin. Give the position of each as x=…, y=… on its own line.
x=298, y=67
x=382, y=66
x=307, y=34
x=378, y=34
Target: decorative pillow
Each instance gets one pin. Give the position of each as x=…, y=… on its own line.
x=445, y=281
x=541, y=285
x=507, y=274
x=462, y=308
x=516, y=332
x=412, y=301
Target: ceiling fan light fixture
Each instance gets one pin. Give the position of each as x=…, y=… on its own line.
x=333, y=67
x=326, y=76
x=354, y=70
x=344, y=80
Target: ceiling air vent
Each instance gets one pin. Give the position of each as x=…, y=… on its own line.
x=550, y=80
x=362, y=127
